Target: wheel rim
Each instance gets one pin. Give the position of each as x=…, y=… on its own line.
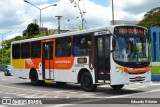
x=87, y=82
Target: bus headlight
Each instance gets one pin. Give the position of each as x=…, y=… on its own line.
x=117, y=69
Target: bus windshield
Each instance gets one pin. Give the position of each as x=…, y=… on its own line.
x=131, y=49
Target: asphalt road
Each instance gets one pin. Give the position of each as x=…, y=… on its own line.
x=72, y=95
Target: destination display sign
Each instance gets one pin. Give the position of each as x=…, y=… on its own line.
x=129, y=30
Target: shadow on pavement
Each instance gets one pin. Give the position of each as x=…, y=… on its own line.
x=77, y=87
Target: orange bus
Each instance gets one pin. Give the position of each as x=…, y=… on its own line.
x=115, y=55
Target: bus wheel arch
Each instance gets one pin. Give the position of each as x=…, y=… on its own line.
x=31, y=71
x=81, y=72
x=33, y=75
x=86, y=80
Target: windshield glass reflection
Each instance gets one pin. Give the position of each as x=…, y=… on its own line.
x=131, y=49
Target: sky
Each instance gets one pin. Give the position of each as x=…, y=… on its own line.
x=15, y=15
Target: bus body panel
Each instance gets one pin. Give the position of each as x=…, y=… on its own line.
x=67, y=69
x=62, y=75
x=22, y=73
x=118, y=76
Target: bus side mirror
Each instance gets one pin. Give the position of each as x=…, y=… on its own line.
x=114, y=44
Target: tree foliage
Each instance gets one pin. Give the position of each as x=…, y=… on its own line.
x=33, y=32
x=151, y=18
x=7, y=49
x=7, y=46
x=7, y=43
x=32, y=29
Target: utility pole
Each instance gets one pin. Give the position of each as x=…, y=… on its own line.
x=59, y=26
x=112, y=13
x=40, y=10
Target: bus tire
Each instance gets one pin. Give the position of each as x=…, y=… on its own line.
x=34, y=78
x=117, y=87
x=87, y=83
x=5, y=73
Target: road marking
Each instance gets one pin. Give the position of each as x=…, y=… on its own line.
x=131, y=88
x=60, y=105
x=156, y=84
x=87, y=94
x=4, y=79
x=36, y=91
x=61, y=92
x=31, y=96
x=118, y=96
x=29, y=89
x=55, y=97
x=22, y=95
x=6, y=97
x=3, y=106
x=73, y=92
x=152, y=91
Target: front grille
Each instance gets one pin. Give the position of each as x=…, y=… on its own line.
x=135, y=80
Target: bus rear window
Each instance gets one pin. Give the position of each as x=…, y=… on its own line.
x=16, y=51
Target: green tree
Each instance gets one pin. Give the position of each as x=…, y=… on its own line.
x=151, y=18
x=7, y=46
x=7, y=49
x=32, y=29
x=7, y=43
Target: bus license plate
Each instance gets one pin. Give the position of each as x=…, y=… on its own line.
x=138, y=78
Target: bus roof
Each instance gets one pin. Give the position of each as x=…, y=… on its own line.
x=72, y=33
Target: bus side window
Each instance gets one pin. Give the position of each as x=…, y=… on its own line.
x=36, y=49
x=63, y=47
x=82, y=45
x=16, y=51
x=25, y=50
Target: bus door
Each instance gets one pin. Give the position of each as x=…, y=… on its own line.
x=47, y=60
x=102, y=57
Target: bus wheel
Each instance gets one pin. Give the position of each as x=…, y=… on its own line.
x=87, y=83
x=117, y=87
x=5, y=73
x=34, y=78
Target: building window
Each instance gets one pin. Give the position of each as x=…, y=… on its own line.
x=16, y=51
x=82, y=45
x=36, y=49
x=25, y=50
x=63, y=47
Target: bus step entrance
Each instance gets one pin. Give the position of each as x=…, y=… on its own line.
x=101, y=76
x=48, y=81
